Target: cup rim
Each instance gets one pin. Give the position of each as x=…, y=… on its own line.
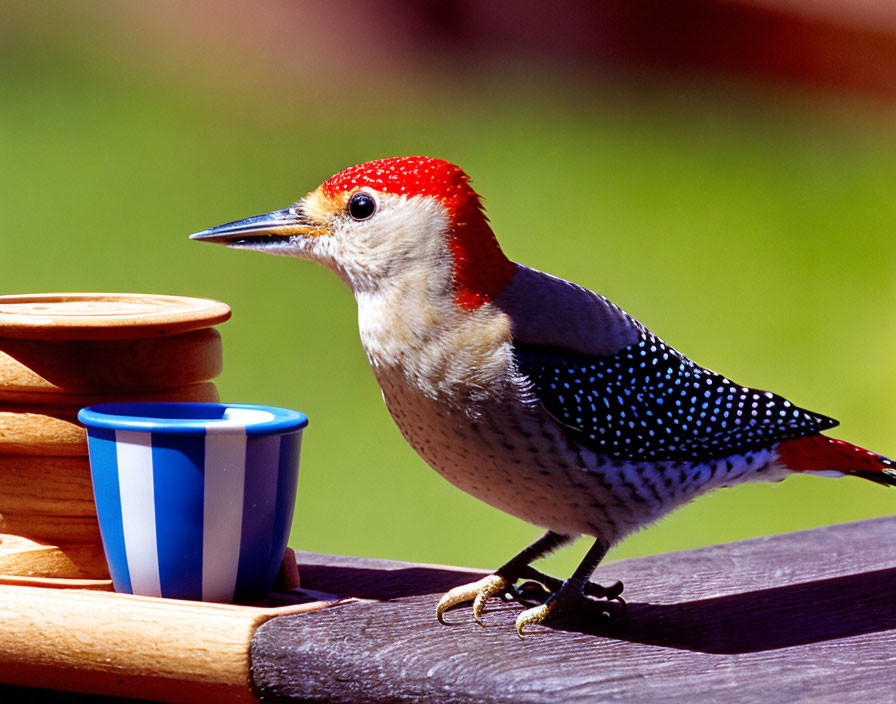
x=189, y=418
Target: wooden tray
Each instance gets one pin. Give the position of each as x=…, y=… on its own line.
x=105, y=316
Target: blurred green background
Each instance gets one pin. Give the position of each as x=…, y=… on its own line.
x=750, y=224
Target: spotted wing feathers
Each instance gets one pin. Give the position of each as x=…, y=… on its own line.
x=649, y=402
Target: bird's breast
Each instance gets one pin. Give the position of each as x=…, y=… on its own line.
x=422, y=343
x=503, y=453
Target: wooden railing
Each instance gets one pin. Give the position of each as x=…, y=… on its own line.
x=807, y=616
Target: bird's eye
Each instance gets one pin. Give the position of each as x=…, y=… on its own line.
x=361, y=206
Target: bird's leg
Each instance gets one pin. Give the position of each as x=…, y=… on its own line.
x=501, y=581
x=572, y=591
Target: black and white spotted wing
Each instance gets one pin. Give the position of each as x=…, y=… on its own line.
x=649, y=402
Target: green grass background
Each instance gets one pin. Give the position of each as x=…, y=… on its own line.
x=752, y=229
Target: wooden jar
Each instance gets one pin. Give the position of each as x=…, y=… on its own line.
x=59, y=353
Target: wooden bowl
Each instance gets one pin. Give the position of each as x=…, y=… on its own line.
x=66, y=366
x=60, y=352
x=202, y=393
x=22, y=557
x=29, y=427
x=105, y=316
x=48, y=525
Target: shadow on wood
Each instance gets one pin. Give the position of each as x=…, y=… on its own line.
x=752, y=621
x=379, y=584
x=765, y=619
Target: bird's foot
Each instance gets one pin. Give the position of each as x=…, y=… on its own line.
x=597, y=601
x=542, y=594
x=541, y=586
x=478, y=592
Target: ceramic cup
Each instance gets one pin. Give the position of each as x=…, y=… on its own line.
x=194, y=500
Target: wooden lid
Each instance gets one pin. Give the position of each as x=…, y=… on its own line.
x=105, y=316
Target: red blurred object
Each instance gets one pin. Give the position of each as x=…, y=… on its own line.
x=841, y=44
x=830, y=43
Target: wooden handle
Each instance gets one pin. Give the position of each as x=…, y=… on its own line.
x=122, y=645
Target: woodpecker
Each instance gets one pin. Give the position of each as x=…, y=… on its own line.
x=533, y=394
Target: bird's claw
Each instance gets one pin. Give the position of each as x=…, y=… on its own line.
x=478, y=592
x=560, y=601
x=536, y=614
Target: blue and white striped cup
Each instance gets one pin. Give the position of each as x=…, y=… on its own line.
x=194, y=500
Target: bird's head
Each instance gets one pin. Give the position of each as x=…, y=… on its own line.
x=404, y=219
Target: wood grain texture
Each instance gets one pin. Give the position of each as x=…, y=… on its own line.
x=48, y=366
x=52, y=529
x=23, y=557
x=20, y=556
x=102, y=585
x=123, y=645
x=46, y=486
x=105, y=316
x=70, y=403
x=41, y=432
x=803, y=617
x=49, y=501
x=49, y=426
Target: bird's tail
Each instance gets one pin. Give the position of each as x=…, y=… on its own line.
x=819, y=454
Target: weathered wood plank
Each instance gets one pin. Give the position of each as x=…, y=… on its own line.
x=808, y=616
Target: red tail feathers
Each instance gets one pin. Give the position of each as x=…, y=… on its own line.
x=819, y=453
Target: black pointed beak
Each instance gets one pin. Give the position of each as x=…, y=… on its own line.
x=270, y=228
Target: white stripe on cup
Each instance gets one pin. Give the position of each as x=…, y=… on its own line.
x=138, y=510
x=225, y=471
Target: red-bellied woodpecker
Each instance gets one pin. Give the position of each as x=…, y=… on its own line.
x=529, y=392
